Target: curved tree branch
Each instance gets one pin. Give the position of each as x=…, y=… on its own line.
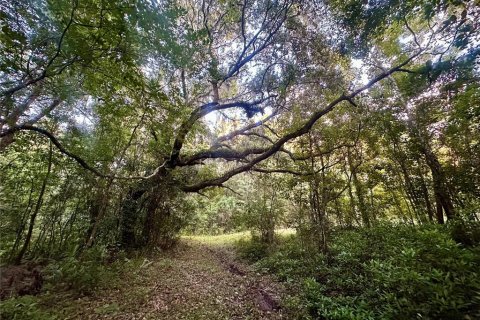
x=305, y=128
x=78, y=159
x=199, y=113
x=245, y=128
x=57, y=144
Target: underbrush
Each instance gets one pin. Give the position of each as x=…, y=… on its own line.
x=383, y=272
x=70, y=278
x=24, y=308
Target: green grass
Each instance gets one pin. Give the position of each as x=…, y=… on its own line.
x=220, y=240
x=286, y=232
x=232, y=238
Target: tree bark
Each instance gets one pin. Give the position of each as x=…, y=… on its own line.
x=22, y=252
x=439, y=212
x=158, y=227
x=440, y=185
x=426, y=197
x=362, y=207
x=129, y=214
x=318, y=201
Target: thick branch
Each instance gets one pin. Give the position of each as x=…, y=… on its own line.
x=199, y=113
x=287, y=171
x=57, y=144
x=245, y=128
x=297, y=133
x=44, y=112
x=225, y=154
x=296, y=173
x=78, y=159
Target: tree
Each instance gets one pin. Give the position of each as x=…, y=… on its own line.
x=272, y=70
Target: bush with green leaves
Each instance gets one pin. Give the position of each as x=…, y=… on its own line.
x=253, y=250
x=23, y=308
x=81, y=274
x=384, y=272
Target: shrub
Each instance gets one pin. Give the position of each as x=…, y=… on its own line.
x=385, y=272
x=465, y=232
x=23, y=308
x=252, y=250
x=82, y=275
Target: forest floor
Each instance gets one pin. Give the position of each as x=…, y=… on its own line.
x=200, y=279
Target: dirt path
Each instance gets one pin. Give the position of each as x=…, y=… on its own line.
x=196, y=281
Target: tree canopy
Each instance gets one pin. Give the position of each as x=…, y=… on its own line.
x=125, y=124
x=117, y=116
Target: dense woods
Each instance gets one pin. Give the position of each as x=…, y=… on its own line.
x=126, y=124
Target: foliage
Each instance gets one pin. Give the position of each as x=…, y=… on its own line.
x=388, y=272
x=124, y=123
x=217, y=214
x=253, y=249
x=82, y=275
x=23, y=308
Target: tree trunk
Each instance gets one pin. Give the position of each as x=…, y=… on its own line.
x=412, y=194
x=439, y=211
x=22, y=252
x=6, y=141
x=268, y=219
x=318, y=201
x=353, y=215
x=362, y=207
x=440, y=185
x=97, y=212
x=23, y=222
x=159, y=226
x=426, y=197
x=158, y=212
x=129, y=214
